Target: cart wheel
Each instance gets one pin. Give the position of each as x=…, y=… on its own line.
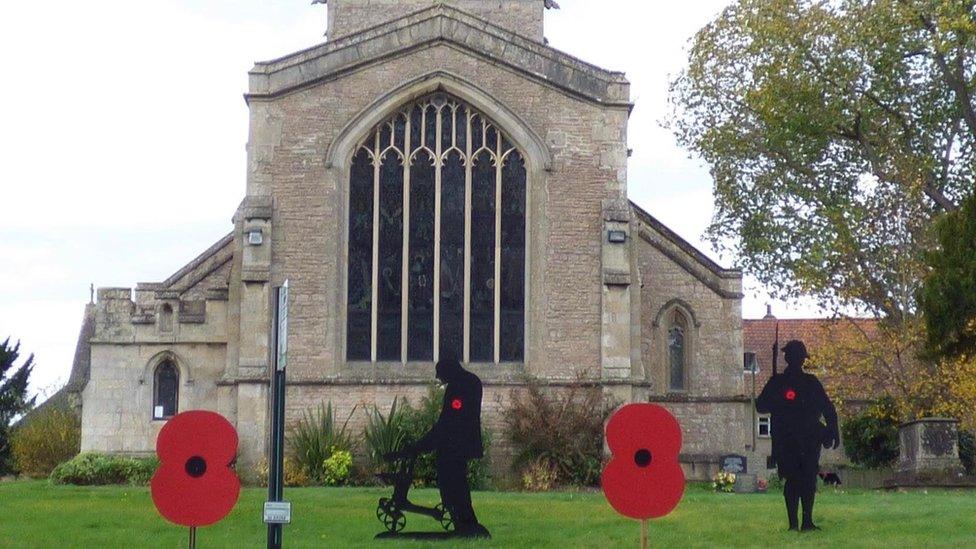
x=394, y=522
x=380, y=512
x=446, y=520
x=384, y=508
x=391, y=517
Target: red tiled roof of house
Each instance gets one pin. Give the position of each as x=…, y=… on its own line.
x=759, y=335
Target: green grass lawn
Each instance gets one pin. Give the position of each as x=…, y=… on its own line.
x=36, y=514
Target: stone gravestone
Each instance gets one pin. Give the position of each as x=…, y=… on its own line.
x=929, y=455
x=734, y=463
x=745, y=483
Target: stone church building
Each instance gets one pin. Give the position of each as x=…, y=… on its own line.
x=433, y=180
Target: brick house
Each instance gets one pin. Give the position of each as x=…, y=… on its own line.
x=433, y=180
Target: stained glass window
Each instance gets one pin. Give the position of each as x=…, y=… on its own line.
x=452, y=257
x=482, y=259
x=359, y=309
x=513, y=258
x=390, y=242
x=420, y=319
x=166, y=382
x=436, y=259
x=676, y=351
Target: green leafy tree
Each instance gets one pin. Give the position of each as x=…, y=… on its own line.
x=13, y=396
x=836, y=131
x=871, y=437
x=948, y=296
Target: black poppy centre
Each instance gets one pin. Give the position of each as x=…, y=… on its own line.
x=642, y=457
x=196, y=466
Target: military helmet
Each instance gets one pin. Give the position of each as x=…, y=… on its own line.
x=795, y=351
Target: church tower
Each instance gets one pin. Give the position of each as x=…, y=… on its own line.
x=524, y=17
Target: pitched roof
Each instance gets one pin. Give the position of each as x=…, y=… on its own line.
x=759, y=336
x=439, y=24
x=213, y=258
x=727, y=283
x=687, y=247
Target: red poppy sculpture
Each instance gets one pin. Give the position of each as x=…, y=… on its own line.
x=643, y=479
x=194, y=484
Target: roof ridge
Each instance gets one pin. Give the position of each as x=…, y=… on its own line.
x=360, y=36
x=811, y=318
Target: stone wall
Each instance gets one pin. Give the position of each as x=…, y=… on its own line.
x=129, y=339
x=117, y=411
x=711, y=302
x=350, y=16
x=292, y=134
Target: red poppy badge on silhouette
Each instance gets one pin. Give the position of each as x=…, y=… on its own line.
x=194, y=485
x=643, y=479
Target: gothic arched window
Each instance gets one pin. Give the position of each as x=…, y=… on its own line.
x=436, y=259
x=166, y=386
x=677, y=351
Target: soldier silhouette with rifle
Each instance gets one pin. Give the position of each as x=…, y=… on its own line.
x=799, y=406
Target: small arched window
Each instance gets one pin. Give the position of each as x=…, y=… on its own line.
x=166, y=386
x=166, y=318
x=677, y=351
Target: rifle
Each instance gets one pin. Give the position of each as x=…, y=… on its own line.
x=771, y=459
x=776, y=349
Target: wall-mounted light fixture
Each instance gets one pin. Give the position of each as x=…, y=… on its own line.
x=255, y=237
x=617, y=237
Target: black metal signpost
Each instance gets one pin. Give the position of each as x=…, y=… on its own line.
x=276, y=511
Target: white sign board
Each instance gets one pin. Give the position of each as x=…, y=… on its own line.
x=277, y=512
x=282, y=326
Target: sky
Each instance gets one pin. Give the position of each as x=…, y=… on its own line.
x=123, y=132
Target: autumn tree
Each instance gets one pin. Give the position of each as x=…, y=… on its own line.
x=863, y=360
x=837, y=133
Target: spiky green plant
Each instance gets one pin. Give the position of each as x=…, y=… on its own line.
x=385, y=433
x=313, y=439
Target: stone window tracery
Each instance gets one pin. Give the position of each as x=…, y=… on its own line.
x=435, y=267
x=166, y=384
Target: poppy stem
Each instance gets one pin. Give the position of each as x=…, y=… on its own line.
x=644, y=534
x=193, y=537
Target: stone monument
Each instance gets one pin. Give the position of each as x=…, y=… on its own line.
x=929, y=455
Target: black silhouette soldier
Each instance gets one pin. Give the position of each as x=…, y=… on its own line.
x=797, y=402
x=456, y=438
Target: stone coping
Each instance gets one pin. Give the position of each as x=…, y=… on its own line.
x=929, y=420
x=439, y=23
x=684, y=245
